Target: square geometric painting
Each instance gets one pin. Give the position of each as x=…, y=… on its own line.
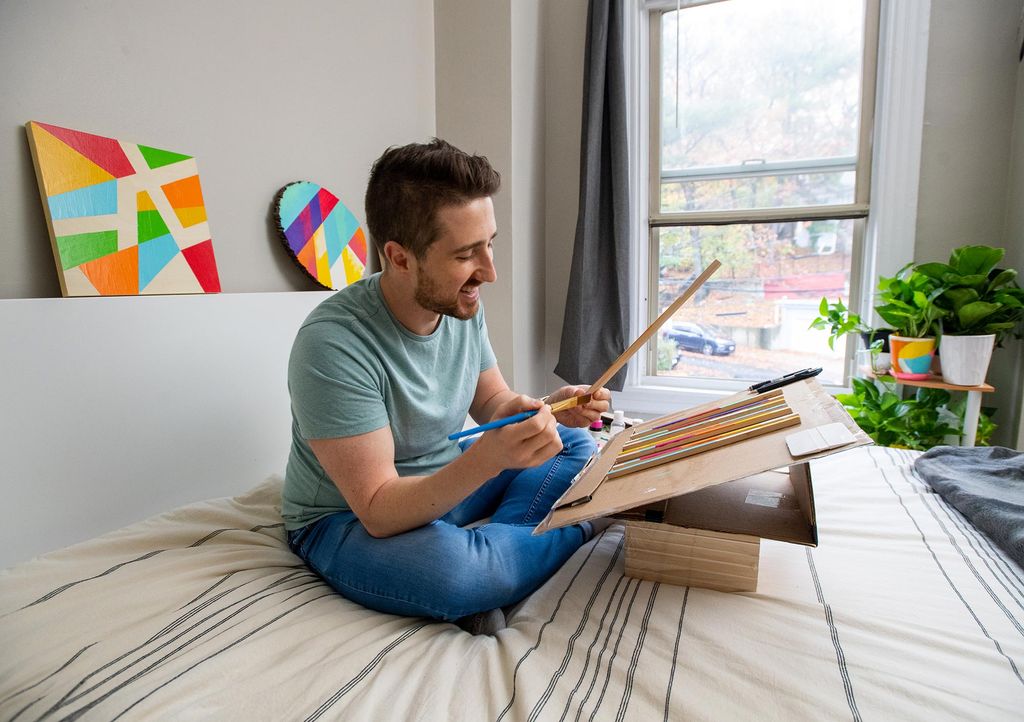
x=124, y=219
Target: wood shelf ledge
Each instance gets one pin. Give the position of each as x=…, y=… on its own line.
x=933, y=382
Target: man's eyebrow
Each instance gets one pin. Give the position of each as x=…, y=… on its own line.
x=475, y=244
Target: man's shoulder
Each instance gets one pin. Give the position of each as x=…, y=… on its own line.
x=353, y=304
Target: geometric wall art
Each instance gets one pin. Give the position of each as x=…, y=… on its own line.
x=124, y=219
x=320, y=234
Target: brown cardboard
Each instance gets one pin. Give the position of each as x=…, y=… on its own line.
x=776, y=504
x=593, y=496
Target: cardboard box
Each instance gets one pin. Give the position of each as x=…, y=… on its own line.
x=698, y=521
x=712, y=538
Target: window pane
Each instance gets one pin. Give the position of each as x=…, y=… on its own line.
x=757, y=88
x=770, y=191
x=750, y=320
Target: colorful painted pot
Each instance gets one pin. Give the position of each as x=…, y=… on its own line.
x=911, y=357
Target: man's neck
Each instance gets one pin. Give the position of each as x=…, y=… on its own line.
x=402, y=304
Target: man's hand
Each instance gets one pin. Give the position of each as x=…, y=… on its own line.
x=585, y=414
x=524, y=444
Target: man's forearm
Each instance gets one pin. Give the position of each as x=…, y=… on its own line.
x=490, y=407
x=408, y=502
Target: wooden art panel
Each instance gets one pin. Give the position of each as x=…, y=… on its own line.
x=124, y=219
x=320, y=234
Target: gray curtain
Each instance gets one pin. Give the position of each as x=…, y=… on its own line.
x=597, y=306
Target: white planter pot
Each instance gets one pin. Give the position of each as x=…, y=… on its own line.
x=965, y=359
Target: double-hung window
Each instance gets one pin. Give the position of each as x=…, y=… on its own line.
x=760, y=118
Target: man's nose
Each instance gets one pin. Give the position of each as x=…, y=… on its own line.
x=486, y=271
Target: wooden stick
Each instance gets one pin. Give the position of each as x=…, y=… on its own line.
x=635, y=346
x=704, y=431
x=653, y=328
x=740, y=434
x=753, y=406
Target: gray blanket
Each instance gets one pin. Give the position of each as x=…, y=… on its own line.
x=986, y=484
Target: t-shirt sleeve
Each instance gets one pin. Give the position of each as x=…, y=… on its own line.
x=335, y=389
x=487, y=358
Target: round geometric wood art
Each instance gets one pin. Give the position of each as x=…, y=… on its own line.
x=320, y=234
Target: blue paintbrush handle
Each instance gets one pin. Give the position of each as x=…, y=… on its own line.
x=497, y=424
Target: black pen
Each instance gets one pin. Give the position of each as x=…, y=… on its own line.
x=789, y=378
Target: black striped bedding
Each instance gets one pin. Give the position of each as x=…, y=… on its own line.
x=904, y=611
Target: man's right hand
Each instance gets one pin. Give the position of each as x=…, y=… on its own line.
x=524, y=444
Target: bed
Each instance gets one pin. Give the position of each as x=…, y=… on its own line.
x=903, y=611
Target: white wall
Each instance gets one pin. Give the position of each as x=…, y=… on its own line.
x=115, y=409
x=262, y=93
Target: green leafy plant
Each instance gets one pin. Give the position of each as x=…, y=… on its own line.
x=906, y=302
x=838, y=320
x=919, y=422
x=976, y=297
x=986, y=426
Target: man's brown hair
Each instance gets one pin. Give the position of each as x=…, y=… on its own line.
x=409, y=183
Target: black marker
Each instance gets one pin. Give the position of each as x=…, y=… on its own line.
x=763, y=386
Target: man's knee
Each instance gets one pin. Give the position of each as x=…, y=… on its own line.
x=576, y=443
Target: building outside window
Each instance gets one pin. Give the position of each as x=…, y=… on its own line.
x=759, y=150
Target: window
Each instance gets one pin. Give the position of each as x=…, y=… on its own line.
x=759, y=148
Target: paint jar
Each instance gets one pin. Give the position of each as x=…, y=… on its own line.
x=618, y=424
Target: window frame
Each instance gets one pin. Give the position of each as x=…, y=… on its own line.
x=890, y=146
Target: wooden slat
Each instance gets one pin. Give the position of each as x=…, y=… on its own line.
x=692, y=557
x=699, y=432
x=730, y=438
x=653, y=328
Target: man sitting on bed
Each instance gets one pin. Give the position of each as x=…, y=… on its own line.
x=376, y=499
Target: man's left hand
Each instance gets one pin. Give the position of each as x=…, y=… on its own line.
x=583, y=415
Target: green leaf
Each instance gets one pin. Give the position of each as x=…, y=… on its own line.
x=934, y=270
x=976, y=280
x=1002, y=278
x=959, y=296
x=973, y=313
x=969, y=260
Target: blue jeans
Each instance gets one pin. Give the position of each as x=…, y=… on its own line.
x=443, y=570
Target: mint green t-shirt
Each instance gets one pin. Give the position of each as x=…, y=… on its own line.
x=354, y=369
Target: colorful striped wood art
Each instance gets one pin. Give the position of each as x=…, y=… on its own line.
x=125, y=219
x=322, y=236
x=682, y=437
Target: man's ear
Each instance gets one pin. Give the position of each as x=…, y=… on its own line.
x=397, y=256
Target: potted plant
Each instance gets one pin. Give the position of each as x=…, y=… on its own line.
x=906, y=302
x=928, y=418
x=982, y=305
x=840, y=320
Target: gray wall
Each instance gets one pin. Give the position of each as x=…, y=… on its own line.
x=1014, y=240
x=262, y=93
x=564, y=45
x=490, y=85
x=966, y=195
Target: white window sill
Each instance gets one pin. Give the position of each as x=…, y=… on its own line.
x=649, y=399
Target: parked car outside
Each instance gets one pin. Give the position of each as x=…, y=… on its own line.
x=701, y=339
